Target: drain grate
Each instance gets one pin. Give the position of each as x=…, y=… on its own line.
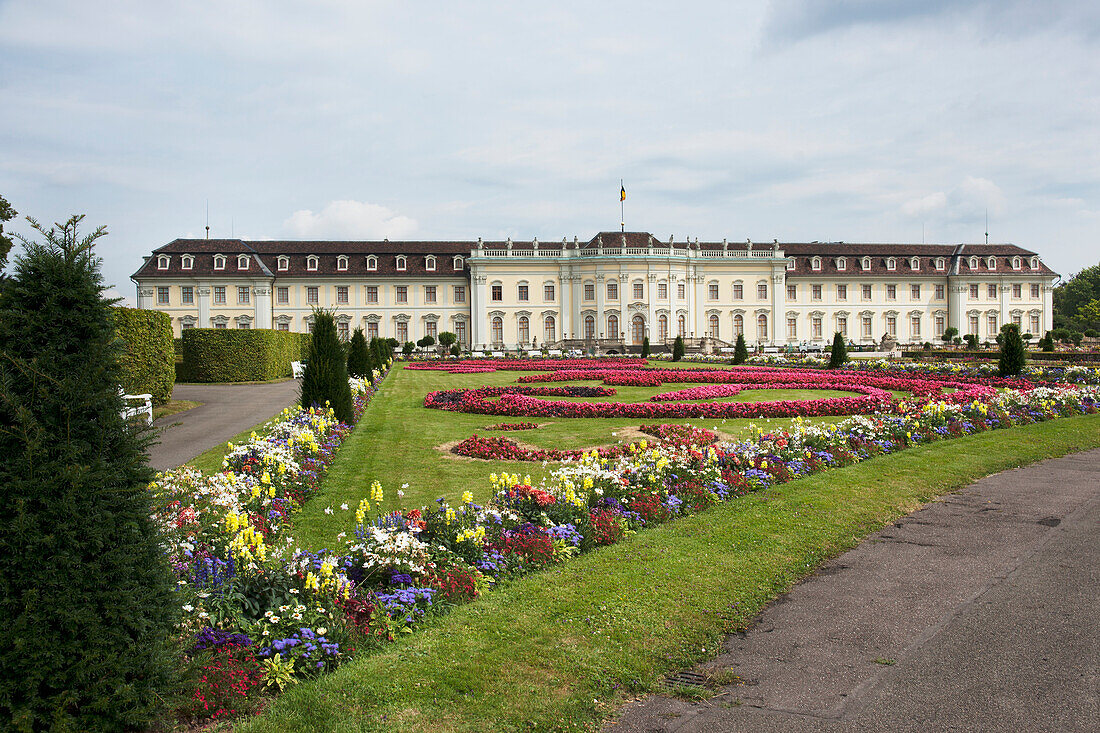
x=686, y=679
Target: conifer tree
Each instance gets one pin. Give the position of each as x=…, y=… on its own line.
x=326, y=376
x=678, y=348
x=1013, y=354
x=645, y=347
x=358, y=355
x=86, y=594
x=839, y=353
x=740, y=351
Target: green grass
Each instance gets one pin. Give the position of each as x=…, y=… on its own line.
x=173, y=407
x=561, y=649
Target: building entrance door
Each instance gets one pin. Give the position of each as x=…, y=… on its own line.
x=637, y=330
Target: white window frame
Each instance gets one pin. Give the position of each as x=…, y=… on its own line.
x=891, y=263
x=841, y=264
x=342, y=263
x=242, y=262
x=429, y=263
x=815, y=264
x=187, y=262
x=401, y=263
x=457, y=263
x=163, y=262
x=219, y=262
x=283, y=263
x=312, y=262
x=372, y=263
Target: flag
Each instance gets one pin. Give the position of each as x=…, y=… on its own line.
x=622, y=194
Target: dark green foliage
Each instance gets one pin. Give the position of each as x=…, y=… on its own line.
x=86, y=595
x=678, y=348
x=149, y=361
x=7, y=213
x=1091, y=333
x=1046, y=343
x=426, y=342
x=839, y=353
x=1073, y=295
x=971, y=340
x=645, y=347
x=359, y=362
x=949, y=334
x=447, y=339
x=740, y=350
x=1013, y=354
x=408, y=347
x=325, y=381
x=456, y=350
x=233, y=355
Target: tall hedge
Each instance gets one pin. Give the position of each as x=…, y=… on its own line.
x=86, y=594
x=233, y=355
x=148, y=363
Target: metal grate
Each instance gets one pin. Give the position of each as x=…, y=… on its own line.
x=685, y=679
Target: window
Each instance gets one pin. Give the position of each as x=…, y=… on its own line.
x=842, y=292
x=914, y=292
x=312, y=262
x=342, y=330
x=429, y=263
x=242, y=295
x=939, y=263
x=283, y=263
x=460, y=293
x=914, y=263
x=589, y=327
x=973, y=263
x=372, y=293
x=637, y=329
x=372, y=330
x=940, y=328
x=973, y=325
x=1017, y=319
x=282, y=326
x=372, y=263
x=841, y=264
x=866, y=263
x=342, y=263
x=219, y=264
x=431, y=328
x=548, y=293
x=939, y=292
x=892, y=325
x=662, y=328
x=815, y=264
x=402, y=331
x=1017, y=290
x=891, y=263
x=842, y=325
x=242, y=262
x=991, y=263
x=973, y=291
x=991, y=291
x=612, y=326
x=681, y=326
x=815, y=292
x=1034, y=290
x=865, y=292
x=866, y=327
x=219, y=324
x=738, y=325
x=429, y=293
x=762, y=327
x=738, y=291
x=219, y=293
x=992, y=324
x=313, y=295
x=282, y=295
x=713, y=320
x=1034, y=324
x=187, y=295
x=762, y=291
x=549, y=332
x=243, y=325
x=891, y=292
x=680, y=291
x=187, y=262
x=524, y=329
x=521, y=294
x=401, y=263
x=639, y=291
x=402, y=292
x=612, y=290
x=342, y=294
x=792, y=328
x=815, y=326
x=163, y=261
x=456, y=263
x=162, y=295
x=712, y=291
x=497, y=293
x=460, y=332
x=589, y=291
x=792, y=292
x=791, y=264
x=914, y=327
x=1034, y=263
x=662, y=291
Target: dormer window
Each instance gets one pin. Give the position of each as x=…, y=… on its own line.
x=914, y=263
x=973, y=263
x=939, y=263
x=991, y=263
x=815, y=264
x=219, y=262
x=312, y=262
x=284, y=263
x=372, y=263
x=187, y=262
x=1015, y=263
x=163, y=261
x=429, y=263
x=457, y=263
x=401, y=262
x=841, y=264
x=342, y=263
x=891, y=263
x=1034, y=263
x=242, y=262
x=790, y=264
x=866, y=264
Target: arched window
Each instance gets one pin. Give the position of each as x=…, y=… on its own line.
x=612, y=326
x=637, y=330
x=790, y=264
x=311, y=262
x=714, y=326
x=662, y=327
x=242, y=262
x=681, y=326
x=589, y=327
x=401, y=262
x=283, y=263
x=815, y=263
x=429, y=263
x=549, y=332
x=891, y=263
x=738, y=325
x=762, y=327
x=372, y=263
x=866, y=263
x=841, y=263
x=456, y=264
x=973, y=263
x=939, y=263
x=1015, y=263
x=219, y=262
x=163, y=261
x=342, y=263
x=187, y=262
x=991, y=263
x=498, y=329
x=914, y=263
x=524, y=329
x=1034, y=263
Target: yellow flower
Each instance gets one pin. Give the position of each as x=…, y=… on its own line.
x=467, y=497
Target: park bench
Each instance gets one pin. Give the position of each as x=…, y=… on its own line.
x=131, y=407
x=554, y=352
x=298, y=369
x=534, y=352
x=498, y=354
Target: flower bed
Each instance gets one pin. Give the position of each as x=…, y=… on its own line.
x=472, y=366
x=513, y=426
x=502, y=449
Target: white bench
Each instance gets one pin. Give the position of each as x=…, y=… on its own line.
x=498, y=354
x=553, y=352
x=534, y=352
x=131, y=408
x=298, y=369
x=477, y=355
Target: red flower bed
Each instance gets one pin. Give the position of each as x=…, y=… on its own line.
x=513, y=426
x=502, y=449
x=713, y=391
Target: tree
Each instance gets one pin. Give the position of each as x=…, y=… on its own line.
x=971, y=340
x=326, y=377
x=839, y=354
x=1075, y=293
x=359, y=359
x=645, y=347
x=86, y=594
x=1089, y=314
x=678, y=348
x=447, y=339
x=949, y=334
x=456, y=350
x=1046, y=343
x=7, y=213
x=740, y=350
x=408, y=347
x=1013, y=354
x=426, y=342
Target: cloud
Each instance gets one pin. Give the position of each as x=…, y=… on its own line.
x=925, y=205
x=967, y=202
x=348, y=219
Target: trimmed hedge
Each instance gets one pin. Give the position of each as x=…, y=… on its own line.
x=233, y=355
x=148, y=363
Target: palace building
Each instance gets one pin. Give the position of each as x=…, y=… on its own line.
x=604, y=294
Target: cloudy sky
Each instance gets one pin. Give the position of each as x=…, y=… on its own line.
x=853, y=120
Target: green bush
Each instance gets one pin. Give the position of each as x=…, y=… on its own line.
x=678, y=348
x=86, y=595
x=148, y=363
x=1013, y=354
x=358, y=355
x=740, y=350
x=325, y=381
x=645, y=347
x=839, y=353
x=230, y=355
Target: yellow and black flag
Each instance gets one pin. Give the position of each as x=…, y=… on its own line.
x=622, y=193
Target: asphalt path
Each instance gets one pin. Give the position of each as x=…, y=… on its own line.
x=978, y=613
x=227, y=409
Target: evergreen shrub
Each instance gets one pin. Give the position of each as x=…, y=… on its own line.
x=326, y=377
x=839, y=353
x=233, y=355
x=740, y=350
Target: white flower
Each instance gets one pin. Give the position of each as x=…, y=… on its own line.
x=328, y=510
x=189, y=608
x=404, y=486
x=321, y=630
x=294, y=591
x=344, y=506
x=400, y=493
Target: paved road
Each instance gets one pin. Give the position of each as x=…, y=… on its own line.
x=977, y=613
x=226, y=410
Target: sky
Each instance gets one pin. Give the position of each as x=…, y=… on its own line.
x=797, y=120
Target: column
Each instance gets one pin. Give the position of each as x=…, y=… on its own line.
x=575, y=304
x=956, y=311
x=202, y=292
x=261, y=300
x=565, y=319
x=778, y=279
x=651, y=312
x=601, y=327
x=1047, y=322
x=145, y=297
x=478, y=310
x=689, y=290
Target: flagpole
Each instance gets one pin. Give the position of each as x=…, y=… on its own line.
x=622, y=207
